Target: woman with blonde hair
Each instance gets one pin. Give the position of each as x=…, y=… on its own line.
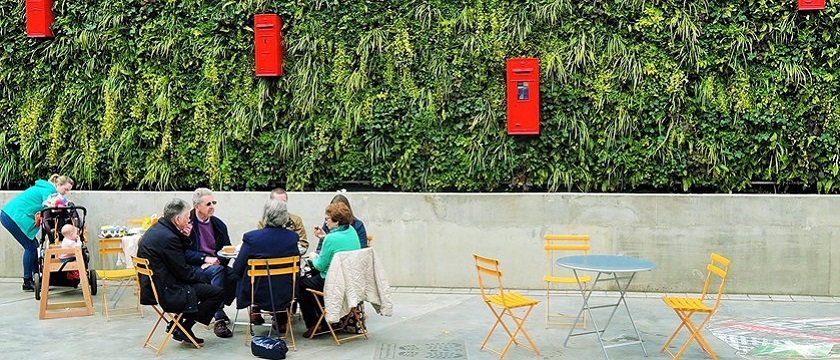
x=18, y=217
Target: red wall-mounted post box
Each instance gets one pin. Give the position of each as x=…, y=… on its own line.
x=39, y=18
x=523, y=96
x=811, y=4
x=268, y=45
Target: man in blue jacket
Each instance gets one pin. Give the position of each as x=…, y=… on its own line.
x=209, y=234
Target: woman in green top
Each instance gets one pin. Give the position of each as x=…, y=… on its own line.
x=18, y=217
x=342, y=237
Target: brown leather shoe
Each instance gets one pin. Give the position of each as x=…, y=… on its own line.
x=221, y=330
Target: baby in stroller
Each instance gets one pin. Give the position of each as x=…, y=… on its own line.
x=70, y=220
x=71, y=240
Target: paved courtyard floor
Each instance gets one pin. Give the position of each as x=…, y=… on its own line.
x=444, y=323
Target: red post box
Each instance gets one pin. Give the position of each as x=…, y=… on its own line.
x=268, y=45
x=811, y=4
x=39, y=18
x=523, y=96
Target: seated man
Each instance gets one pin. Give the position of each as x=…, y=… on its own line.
x=295, y=223
x=209, y=235
x=164, y=245
x=272, y=241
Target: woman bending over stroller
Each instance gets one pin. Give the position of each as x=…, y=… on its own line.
x=18, y=217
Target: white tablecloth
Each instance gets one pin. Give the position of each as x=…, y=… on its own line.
x=129, y=246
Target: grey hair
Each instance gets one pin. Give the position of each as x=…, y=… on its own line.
x=200, y=193
x=275, y=213
x=174, y=208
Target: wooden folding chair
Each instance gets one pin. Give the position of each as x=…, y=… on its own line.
x=266, y=268
x=554, y=245
x=354, y=314
x=124, y=277
x=142, y=267
x=686, y=307
x=503, y=303
x=370, y=240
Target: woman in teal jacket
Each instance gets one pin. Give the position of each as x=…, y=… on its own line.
x=342, y=237
x=18, y=217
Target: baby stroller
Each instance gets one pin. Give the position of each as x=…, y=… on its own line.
x=52, y=219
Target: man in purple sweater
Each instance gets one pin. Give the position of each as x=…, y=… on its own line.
x=209, y=234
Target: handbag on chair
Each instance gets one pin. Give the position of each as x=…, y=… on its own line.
x=267, y=347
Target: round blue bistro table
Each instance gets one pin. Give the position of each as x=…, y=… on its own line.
x=618, y=268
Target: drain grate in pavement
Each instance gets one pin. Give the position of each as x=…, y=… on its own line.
x=422, y=350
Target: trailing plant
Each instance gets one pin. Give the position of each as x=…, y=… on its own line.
x=410, y=95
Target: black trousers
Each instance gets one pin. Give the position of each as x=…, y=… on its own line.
x=308, y=307
x=210, y=298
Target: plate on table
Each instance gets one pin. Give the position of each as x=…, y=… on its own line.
x=227, y=254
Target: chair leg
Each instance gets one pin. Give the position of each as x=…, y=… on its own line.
x=493, y=328
x=520, y=322
x=682, y=316
x=512, y=335
x=161, y=317
x=290, y=332
x=105, y=298
x=694, y=335
x=547, y=303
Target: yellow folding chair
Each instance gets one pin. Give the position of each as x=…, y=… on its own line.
x=370, y=240
x=264, y=268
x=502, y=303
x=686, y=307
x=109, y=250
x=554, y=245
x=354, y=314
x=142, y=267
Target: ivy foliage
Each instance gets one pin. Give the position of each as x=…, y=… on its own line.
x=410, y=95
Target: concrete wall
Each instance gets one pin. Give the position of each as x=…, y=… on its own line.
x=781, y=244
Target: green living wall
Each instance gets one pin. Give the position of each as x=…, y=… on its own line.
x=636, y=95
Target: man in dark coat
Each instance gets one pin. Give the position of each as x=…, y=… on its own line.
x=209, y=235
x=179, y=288
x=272, y=241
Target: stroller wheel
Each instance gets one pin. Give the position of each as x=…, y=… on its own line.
x=92, y=281
x=36, y=279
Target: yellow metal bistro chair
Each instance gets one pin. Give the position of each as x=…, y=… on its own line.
x=686, y=307
x=265, y=268
x=142, y=267
x=109, y=250
x=502, y=303
x=556, y=246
